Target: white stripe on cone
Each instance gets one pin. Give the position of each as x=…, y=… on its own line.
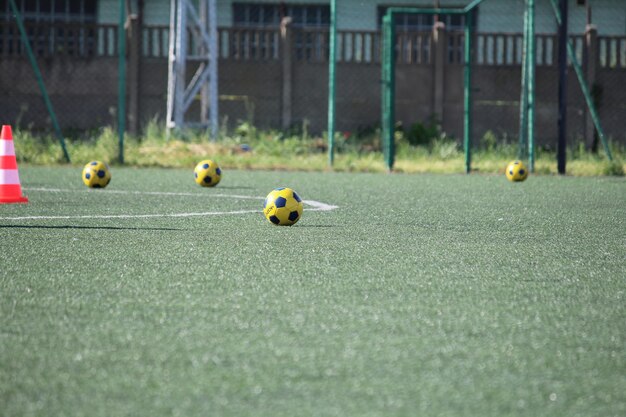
x=7, y=148
x=9, y=176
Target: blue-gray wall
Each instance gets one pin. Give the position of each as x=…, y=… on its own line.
x=494, y=15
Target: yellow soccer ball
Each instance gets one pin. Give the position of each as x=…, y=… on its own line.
x=516, y=171
x=207, y=173
x=96, y=174
x=283, y=207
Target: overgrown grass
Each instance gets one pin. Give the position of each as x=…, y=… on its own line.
x=418, y=151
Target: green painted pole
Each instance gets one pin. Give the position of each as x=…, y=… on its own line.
x=467, y=81
x=523, y=114
x=388, y=115
x=436, y=10
x=583, y=86
x=332, y=64
x=471, y=6
x=561, y=143
x=384, y=96
x=38, y=76
x=531, y=61
x=121, y=94
x=588, y=99
x=391, y=160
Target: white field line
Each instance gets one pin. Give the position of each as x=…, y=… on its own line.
x=317, y=206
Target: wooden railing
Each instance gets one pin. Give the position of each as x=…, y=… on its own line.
x=361, y=47
x=155, y=41
x=249, y=44
x=265, y=44
x=498, y=49
x=233, y=43
x=310, y=45
x=412, y=48
x=612, y=51
x=506, y=49
x=60, y=39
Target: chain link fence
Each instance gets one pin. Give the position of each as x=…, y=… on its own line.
x=273, y=68
x=76, y=56
x=429, y=61
x=599, y=42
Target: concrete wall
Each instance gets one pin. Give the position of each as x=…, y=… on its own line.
x=83, y=91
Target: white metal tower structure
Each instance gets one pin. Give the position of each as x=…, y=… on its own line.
x=201, y=24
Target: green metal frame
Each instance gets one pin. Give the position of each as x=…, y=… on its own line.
x=38, y=76
x=527, y=96
x=523, y=116
x=332, y=63
x=531, y=62
x=121, y=94
x=583, y=86
x=389, y=84
x=388, y=81
x=467, y=102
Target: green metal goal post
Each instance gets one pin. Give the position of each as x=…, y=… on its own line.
x=527, y=97
x=388, y=76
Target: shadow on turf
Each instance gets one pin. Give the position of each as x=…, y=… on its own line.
x=21, y=226
x=316, y=225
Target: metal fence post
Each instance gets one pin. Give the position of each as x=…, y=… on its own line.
x=591, y=58
x=38, y=76
x=467, y=80
x=531, y=60
x=388, y=81
x=523, y=116
x=121, y=106
x=332, y=63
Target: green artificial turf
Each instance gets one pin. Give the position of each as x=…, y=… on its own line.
x=420, y=295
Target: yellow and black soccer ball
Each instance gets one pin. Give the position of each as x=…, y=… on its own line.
x=207, y=173
x=516, y=171
x=96, y=174
x=283, y=207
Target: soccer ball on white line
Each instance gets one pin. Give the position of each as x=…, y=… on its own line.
x=283, y=207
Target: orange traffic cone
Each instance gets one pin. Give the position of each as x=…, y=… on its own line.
x=10, y=188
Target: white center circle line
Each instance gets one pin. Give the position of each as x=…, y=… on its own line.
x=315, y=206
